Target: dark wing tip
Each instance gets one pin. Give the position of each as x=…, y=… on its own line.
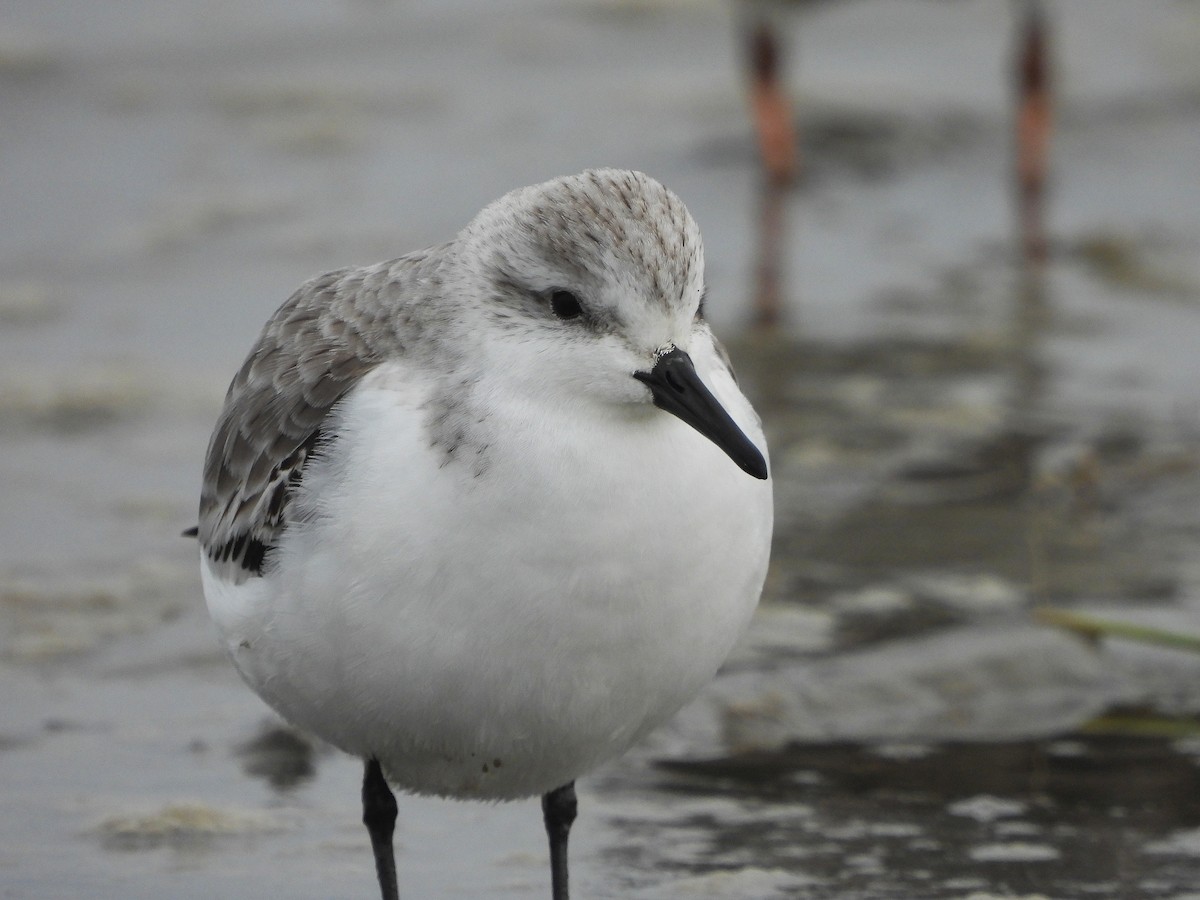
x=192, y=532
x=245, y=551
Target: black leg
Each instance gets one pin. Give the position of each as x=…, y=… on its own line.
x=379, y=815
x=558, y=811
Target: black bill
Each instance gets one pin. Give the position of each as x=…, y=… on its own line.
x=678, y=390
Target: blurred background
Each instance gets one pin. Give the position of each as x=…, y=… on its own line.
x=954, y=248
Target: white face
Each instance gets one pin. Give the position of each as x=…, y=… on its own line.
x=598, y=274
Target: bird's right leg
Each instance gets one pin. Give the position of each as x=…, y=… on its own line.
x=379, y=815
x=558, y=812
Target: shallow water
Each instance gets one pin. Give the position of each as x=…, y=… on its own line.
x=956, y=442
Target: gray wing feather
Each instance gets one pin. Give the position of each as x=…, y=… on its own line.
x=314, y=349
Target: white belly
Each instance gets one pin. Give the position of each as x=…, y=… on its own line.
x=496, y=635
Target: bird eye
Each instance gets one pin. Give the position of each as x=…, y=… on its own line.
x=565, y=305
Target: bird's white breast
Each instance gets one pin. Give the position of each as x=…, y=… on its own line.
x=494, y=626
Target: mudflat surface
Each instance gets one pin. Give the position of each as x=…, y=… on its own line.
x=959, y=443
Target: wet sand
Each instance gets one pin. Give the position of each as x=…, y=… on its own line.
x=956, y=442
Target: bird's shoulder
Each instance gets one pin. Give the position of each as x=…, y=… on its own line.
x=722, y=355
x=312, y=351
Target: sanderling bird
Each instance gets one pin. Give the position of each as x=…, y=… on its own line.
x=486, y=514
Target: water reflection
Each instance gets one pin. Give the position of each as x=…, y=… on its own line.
x=1034, y=118
x=769, y=264
x=281, y=755
x=1078, y=816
